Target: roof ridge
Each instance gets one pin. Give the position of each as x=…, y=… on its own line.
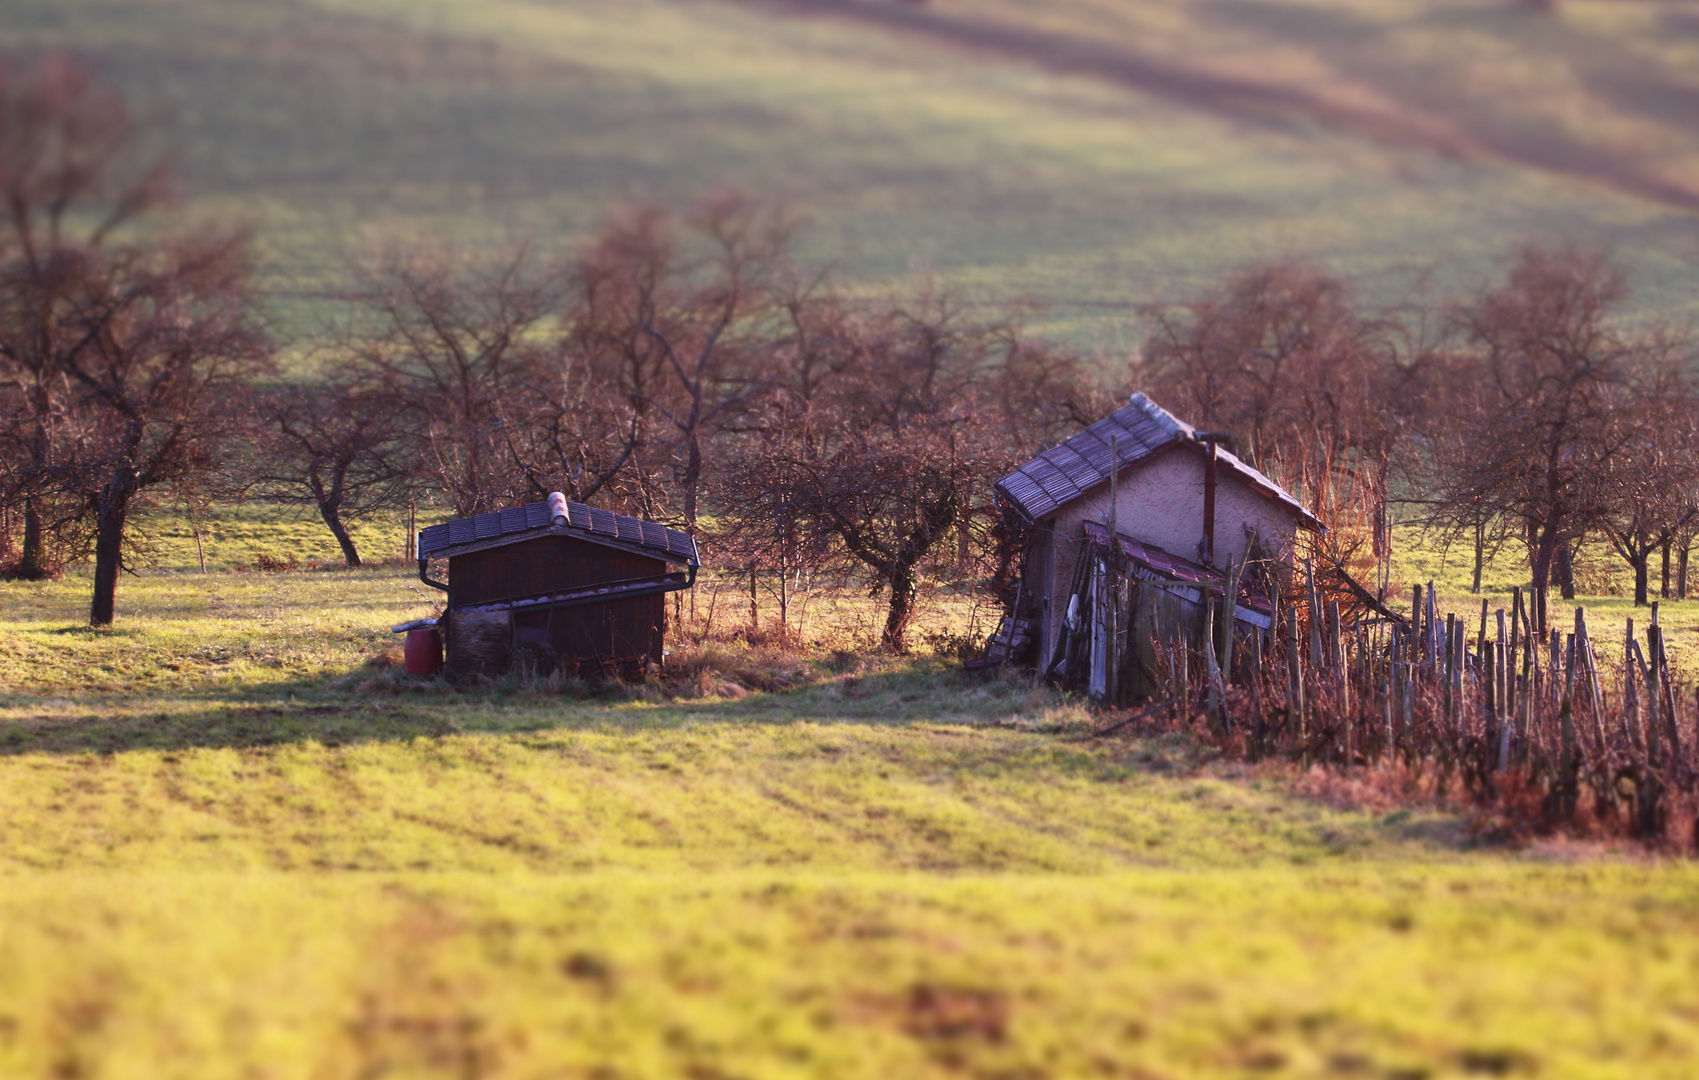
x=1139, y=429
x=595, y=523
x=1141, y=401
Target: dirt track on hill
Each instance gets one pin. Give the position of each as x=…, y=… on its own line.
x=1373, y=116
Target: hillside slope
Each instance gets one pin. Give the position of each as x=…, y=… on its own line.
x=342, y=126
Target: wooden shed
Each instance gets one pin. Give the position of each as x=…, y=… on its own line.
x=1190, y=521
x=556, y=585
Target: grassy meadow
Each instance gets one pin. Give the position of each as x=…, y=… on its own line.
x=235, y=841
x=1081, y=156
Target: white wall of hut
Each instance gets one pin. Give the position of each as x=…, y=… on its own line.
x=1160, y=502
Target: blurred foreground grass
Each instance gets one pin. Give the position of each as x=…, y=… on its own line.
x=1382, y=970
x=232, y=846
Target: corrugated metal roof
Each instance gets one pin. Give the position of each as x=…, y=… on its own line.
x=592, y=522
x=1140, y=429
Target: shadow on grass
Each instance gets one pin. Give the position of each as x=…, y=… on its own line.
x=922, y=695
x=337, y=711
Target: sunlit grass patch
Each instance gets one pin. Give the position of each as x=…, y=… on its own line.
x=282, y=856
x=1442, y=972
x=1605, y=591
x=644, y=787
x=184, y=630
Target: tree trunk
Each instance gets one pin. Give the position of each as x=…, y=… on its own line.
x=329, y=501
x=1664, y=589
x=108, y=555
x=754, y=607
x=1536, y=610
x=333, y=520
x=1566, y=570
x=1480, y=556
x=901, y=609
x=32, y=563
x=1545, y=553
x=1641, y=564
x=1681, y=574
x=689, y=481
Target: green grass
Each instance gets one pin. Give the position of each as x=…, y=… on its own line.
x=1605, y=591
x=235, y=535
x=1387, y=972
x=232, y=844
x=344, y=126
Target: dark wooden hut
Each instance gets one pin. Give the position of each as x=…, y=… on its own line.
x=557, y=585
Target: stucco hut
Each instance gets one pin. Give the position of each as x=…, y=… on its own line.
x=1184, y=510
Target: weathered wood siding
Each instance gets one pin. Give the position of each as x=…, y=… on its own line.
x=622, y=630
x=615, y=630
x=1160, y=502
x=544, y=565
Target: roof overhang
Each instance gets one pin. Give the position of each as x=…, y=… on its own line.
x=1268, y=489
x=1261, y=484
x=1082, y=463
x=558, y=516
x=1157, y=566
x=506, y=539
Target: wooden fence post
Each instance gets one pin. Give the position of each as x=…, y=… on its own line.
x=1526, y=698
x=1415, y=642
x=1295, y=685
x=1258, y=727
x=1457, y=675
x=1216, y=699
x=1630, y=688
x=1595, y=690
x=1515, y=625
x=1507, y=662
x=1229, y=607
x=1185, y=681
x=1430, y=640
x=1394, y=692
x=1569, y=765
x=1668, y=710
x=1654, y=753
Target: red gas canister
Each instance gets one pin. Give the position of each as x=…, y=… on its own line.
x=424, y=651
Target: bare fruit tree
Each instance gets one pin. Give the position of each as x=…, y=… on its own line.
x=1282, y=356
x=75, y=170
x=569, y=429
x=689, y=308
x=167, y=346
x=336, y=443
x=1650, y=495
x=457, y=341
x=883, y=447
x=1532, y=430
